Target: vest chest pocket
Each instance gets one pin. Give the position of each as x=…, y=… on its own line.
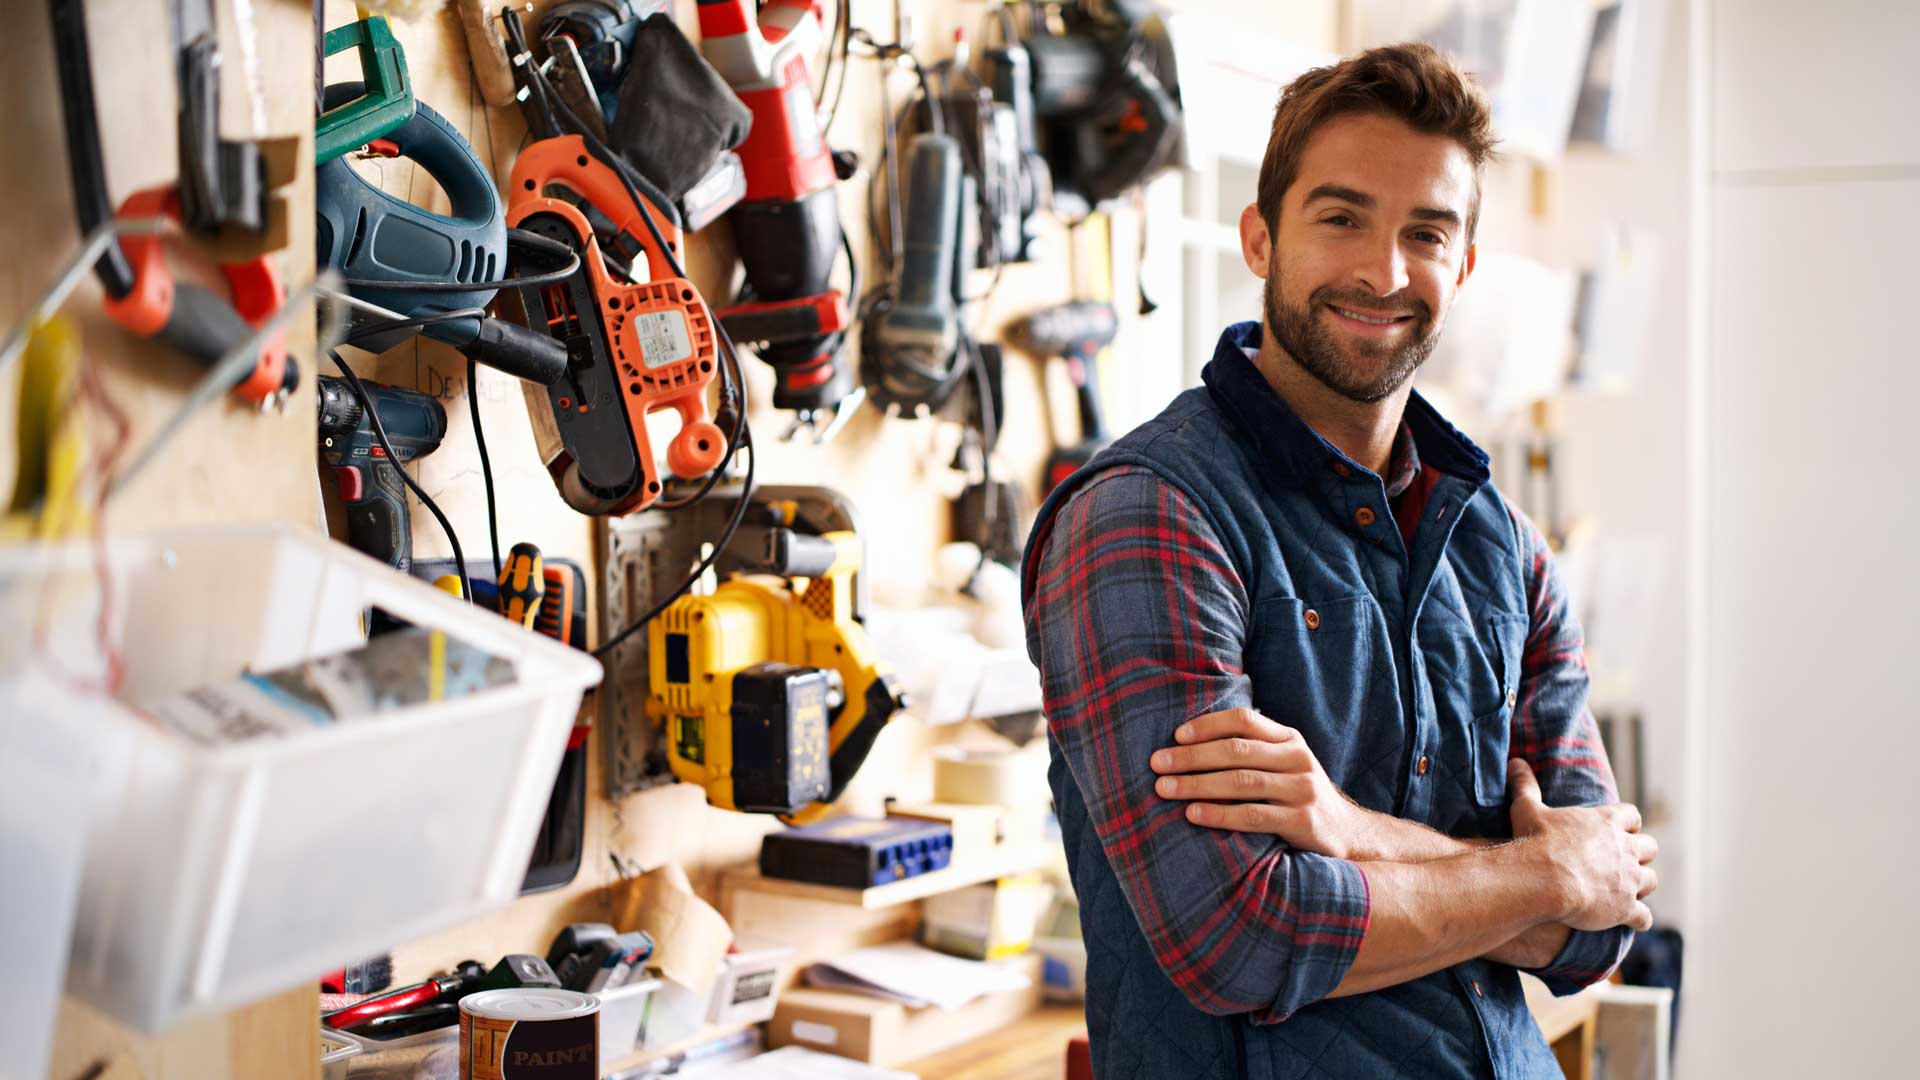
x=1504, y=640
x=1314, y=665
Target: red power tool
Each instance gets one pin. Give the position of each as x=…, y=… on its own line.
x=632, y=348
x=787, y=228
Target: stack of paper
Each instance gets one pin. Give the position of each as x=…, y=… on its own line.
x=915, y=976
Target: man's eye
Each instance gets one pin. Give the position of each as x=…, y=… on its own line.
x=1338, y=219
x=1426, y=236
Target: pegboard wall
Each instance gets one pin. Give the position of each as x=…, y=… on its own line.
x=235, y=464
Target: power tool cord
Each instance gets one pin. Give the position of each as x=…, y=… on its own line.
x=380, y=433
x=726, y=538
x=486, y=463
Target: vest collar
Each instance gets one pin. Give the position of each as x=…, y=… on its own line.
x=1241, y=392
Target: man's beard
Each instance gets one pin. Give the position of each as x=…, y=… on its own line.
x=1363, y=372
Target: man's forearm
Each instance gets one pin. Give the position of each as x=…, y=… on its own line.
x=1391, y=839
x=1430, y=915
x=1385, y=838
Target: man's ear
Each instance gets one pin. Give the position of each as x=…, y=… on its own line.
x=1256, y=243
x=1466, y=265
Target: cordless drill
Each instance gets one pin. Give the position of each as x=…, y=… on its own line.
x=378, y=522
x=1076, y=331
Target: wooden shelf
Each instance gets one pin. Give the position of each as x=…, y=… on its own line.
x=959, y=875
x=704, y=1035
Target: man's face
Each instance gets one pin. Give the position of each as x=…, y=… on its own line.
x=1371, y=248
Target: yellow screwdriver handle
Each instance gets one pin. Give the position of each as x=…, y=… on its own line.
x=522, y=584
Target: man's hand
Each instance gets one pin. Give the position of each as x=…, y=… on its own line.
x=1245, y=773
x=1594, y=857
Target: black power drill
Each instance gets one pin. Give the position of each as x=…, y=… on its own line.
x=378, y=522
x=1076, y=331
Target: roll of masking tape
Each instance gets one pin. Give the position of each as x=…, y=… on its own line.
x=994, y=777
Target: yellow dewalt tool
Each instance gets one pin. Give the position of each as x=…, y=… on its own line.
x=523, y=583
x=769, y=689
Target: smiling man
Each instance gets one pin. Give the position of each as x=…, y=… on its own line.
x=1322, y=757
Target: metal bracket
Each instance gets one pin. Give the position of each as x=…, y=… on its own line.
x=644, y=556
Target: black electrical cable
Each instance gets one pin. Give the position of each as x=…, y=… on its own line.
x=85, y=161
x=726, y=538
x=372, y=329
x=486, y=464
x=844, y=30
x=628, y=180
x=380, y=433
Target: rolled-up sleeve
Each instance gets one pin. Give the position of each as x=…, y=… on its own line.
x=1556, y=734
x=1136, y=617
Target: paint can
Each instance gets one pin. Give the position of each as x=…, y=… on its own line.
x=530, y=1033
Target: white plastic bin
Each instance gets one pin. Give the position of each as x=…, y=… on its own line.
x=623, y=1017
x=218, y=875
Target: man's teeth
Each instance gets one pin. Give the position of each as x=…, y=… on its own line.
x=1371, y=320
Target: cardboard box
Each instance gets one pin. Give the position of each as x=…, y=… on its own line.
x=980, y=828
x=882, y=1032
x=989, y=921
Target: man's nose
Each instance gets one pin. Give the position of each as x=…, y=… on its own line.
x=1383, y=269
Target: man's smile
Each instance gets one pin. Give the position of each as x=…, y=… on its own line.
x=1370, y=323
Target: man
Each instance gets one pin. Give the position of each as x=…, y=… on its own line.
x=1291, y=637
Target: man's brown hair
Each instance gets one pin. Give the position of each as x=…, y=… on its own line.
x=1409, y=82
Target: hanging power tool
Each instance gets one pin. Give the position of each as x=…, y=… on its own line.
x=674, y=124
x=402, y=261
x=911, y=352
x=378, y=521
x=1008, y=185
x=386, y=97
x=1106, y=97
x=602, y=34
x=221, y=184
x=770, y=693
x=1076, y=332
x=787, y=229
x=1014, y=236
x=633, y=347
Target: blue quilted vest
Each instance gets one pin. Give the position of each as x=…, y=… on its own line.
x=1417, y=654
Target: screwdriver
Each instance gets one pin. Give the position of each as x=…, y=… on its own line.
x=522, y=584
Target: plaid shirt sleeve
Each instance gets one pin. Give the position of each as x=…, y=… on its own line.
x=1556, y=734
x=1136, y=618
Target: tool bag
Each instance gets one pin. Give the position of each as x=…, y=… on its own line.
x=676, y=114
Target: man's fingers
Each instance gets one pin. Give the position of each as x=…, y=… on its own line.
x=1645, y=847
x=1642, y=917
x=1521, y=782
x=1241, y=817
x=1229, y=723
x=1649, y=881
x=1234, y=752
x=1625, y=816
x=1237, y=785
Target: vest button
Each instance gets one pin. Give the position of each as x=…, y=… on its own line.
x=1340, y=469
x=1511, y=698
x=1422, y=767
x=1476, y=989
x=1313, y=619
x=1364, y=516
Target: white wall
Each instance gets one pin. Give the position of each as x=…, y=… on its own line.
x=1802, y=947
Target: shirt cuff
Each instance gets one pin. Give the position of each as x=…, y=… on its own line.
x=1334, y=908
x=1588, y=957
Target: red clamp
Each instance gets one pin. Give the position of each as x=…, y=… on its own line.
x=195, y=320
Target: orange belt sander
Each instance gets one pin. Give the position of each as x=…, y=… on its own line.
x=633, y=347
